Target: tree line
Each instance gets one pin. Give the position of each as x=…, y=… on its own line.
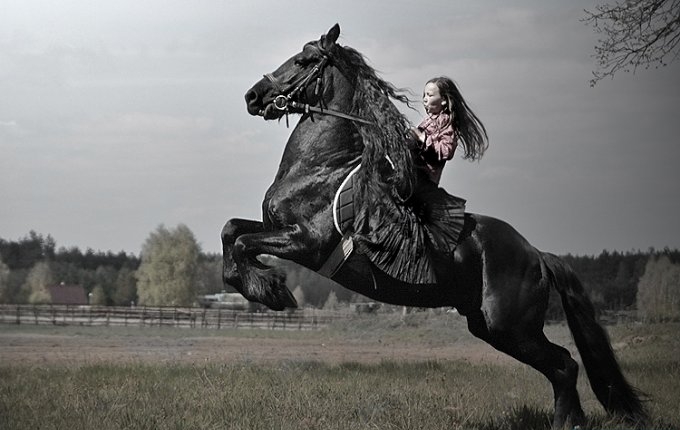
x=32, y=263
x=615, y=281
x=173, y=270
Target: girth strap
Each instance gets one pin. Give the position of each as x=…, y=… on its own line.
x=338, y=257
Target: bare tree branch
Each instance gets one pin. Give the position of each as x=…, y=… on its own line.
x=634, y=33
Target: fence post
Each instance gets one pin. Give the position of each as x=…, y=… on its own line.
x=219, y=317
x=18, y=314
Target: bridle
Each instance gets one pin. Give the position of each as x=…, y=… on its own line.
x=286, y=101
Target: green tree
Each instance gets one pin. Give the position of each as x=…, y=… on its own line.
x=332, y=302
x=125, y=291
x=105, y=280
x=168, y=272
x=624, y=283
x=26, y=252
x=37, y=281
x=210, y=275
x=5, y=290
x=98, y=296
x=658, y=296
x=15, y=292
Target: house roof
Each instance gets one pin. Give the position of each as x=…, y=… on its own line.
x=67, y=294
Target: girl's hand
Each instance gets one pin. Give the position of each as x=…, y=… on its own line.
x=418, y=134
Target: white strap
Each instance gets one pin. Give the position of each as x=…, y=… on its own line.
x=336, y=221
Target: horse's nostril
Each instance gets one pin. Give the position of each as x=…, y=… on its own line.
x=251, y=96
x=253, y=102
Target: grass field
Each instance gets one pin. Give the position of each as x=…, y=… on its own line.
x=361, y=383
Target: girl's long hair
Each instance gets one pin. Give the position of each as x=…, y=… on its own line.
x=468, y=127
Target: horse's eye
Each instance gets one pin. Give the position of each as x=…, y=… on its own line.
x=302, y=61
x=306, y=59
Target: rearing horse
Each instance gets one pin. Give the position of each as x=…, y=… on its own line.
x=494, y=277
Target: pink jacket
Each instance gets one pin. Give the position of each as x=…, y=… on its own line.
x=440, y=144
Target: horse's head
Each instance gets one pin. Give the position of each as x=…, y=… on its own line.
x=296, y=82
x=336, y=80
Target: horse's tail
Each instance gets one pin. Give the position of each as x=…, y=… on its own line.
x=606, y=379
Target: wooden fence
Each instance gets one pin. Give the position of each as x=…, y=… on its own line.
x=109, y=316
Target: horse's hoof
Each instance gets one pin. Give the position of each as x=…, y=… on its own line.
x=280, y=300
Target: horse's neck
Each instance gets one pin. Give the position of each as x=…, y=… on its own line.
x=320, y=142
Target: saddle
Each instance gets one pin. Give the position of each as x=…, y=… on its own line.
x=406, y=240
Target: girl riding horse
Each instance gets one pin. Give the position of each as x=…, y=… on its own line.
x=494, y=277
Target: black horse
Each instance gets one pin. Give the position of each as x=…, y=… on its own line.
x=494, y=277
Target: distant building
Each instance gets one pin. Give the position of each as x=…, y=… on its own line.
x=230, y=301
x=63, y=294
x=365, y=307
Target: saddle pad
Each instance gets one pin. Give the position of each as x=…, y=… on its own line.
x=343, y=204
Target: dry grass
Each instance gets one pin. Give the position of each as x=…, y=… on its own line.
x=297, y=394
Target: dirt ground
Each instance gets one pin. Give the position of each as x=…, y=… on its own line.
x=19, y=347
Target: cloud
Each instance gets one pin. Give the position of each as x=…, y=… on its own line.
x=132, y=114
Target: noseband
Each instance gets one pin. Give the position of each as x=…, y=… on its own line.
x=286, y=101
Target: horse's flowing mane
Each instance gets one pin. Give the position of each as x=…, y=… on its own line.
x=386, y=161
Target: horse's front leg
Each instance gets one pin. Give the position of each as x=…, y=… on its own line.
x=266, y=284
x=232, y=230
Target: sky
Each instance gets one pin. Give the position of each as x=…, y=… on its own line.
x=117, y=117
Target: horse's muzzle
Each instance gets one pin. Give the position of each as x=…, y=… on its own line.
x=254, y=102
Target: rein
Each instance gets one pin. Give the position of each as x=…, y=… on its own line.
x=290, y=105
x=286, y=103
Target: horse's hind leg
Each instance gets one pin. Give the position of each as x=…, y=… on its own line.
x=553, y=361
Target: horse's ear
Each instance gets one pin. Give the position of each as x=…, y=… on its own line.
x=329, y=39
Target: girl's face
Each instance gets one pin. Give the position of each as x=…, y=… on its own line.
x=432, y=99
